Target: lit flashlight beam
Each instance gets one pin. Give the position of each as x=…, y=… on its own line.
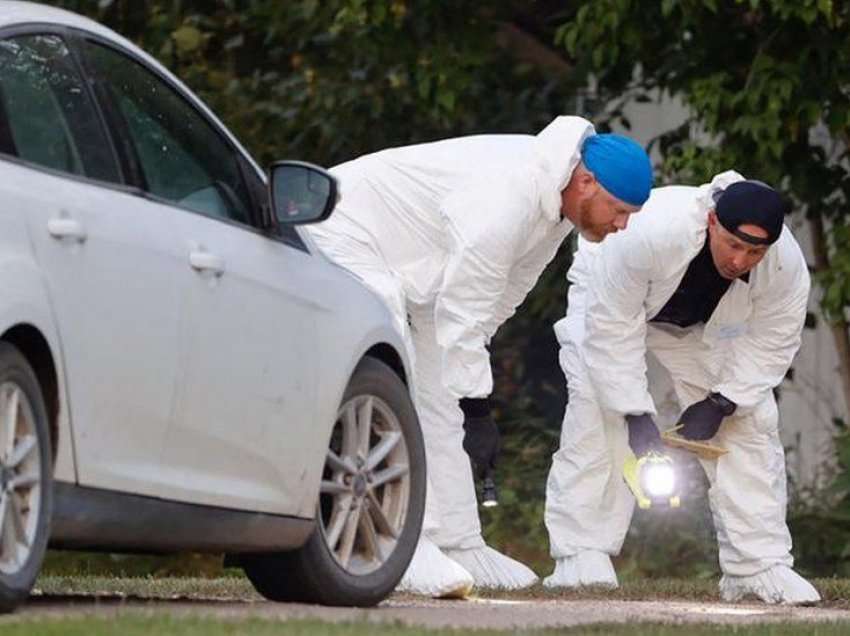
x=659, y=480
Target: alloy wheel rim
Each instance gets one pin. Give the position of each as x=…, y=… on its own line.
x=365, y=489
x=20, y=478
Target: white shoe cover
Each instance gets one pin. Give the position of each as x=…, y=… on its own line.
x=779, y=584
x=492, y=569
x=432, y=573
x=587, y=568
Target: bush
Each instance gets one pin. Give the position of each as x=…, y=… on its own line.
x=820, y=520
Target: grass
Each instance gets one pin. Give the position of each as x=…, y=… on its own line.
x=227, y=588
x=129, y=625
x=131, y=621
x=835, y=592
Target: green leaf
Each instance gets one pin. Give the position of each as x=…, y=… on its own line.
x=446, y=99
x=423, y=85
x=188, y=39
x=570, y=40
x=833, y=297
x=598, y=56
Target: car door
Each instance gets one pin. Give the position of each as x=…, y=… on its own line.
x=110, y=261
x=242, y=435
x=245, y=432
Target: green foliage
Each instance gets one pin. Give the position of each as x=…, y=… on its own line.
x=758, y=76
x=820, y=523
x=87, y=564
x=327, y=81
x=836, y=280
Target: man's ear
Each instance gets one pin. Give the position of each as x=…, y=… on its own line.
x=589, y=184
x=713, y=223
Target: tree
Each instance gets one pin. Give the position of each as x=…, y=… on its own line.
x=327, y=81
x=768, y=84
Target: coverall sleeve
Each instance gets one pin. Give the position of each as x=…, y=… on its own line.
x=486, y=228
x=523, y=277
x=760, y=358
x=615, y=322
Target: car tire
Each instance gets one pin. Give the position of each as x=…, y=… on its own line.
x=319, y=572
x=26, y=467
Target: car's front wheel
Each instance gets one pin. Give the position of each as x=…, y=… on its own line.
x=25, y=478
x=371, y=504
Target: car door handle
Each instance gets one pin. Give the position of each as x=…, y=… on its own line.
x=202, y=261
x=63, y=227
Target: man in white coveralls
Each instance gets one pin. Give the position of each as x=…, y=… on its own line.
x=452, y=235
x=710, y=281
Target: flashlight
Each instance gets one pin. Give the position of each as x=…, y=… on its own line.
x=658, y=480
x=489, y=496
x=652, y=480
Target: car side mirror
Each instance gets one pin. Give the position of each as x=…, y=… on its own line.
x=301, y=193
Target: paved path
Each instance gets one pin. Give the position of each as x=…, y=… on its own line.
x=472, y=613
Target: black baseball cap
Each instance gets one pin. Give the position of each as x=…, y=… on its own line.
x=752, y=203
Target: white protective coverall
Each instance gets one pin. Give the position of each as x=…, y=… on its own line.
x=452, y=235
x=742, y=352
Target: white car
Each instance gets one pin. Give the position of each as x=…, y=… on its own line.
x=179, y=368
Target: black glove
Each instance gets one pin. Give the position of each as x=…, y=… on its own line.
x=701, y=420
x=481, y=436
x=643, y=434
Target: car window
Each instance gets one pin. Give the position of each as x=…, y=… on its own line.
x=46, y=115
x=183, y=158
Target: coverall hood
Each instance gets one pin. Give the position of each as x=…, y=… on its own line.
x=560, y=140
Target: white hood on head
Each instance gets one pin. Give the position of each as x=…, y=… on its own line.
x=718, y=184
x=557, y=149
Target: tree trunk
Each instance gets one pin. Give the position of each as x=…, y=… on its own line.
x=840, y=334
